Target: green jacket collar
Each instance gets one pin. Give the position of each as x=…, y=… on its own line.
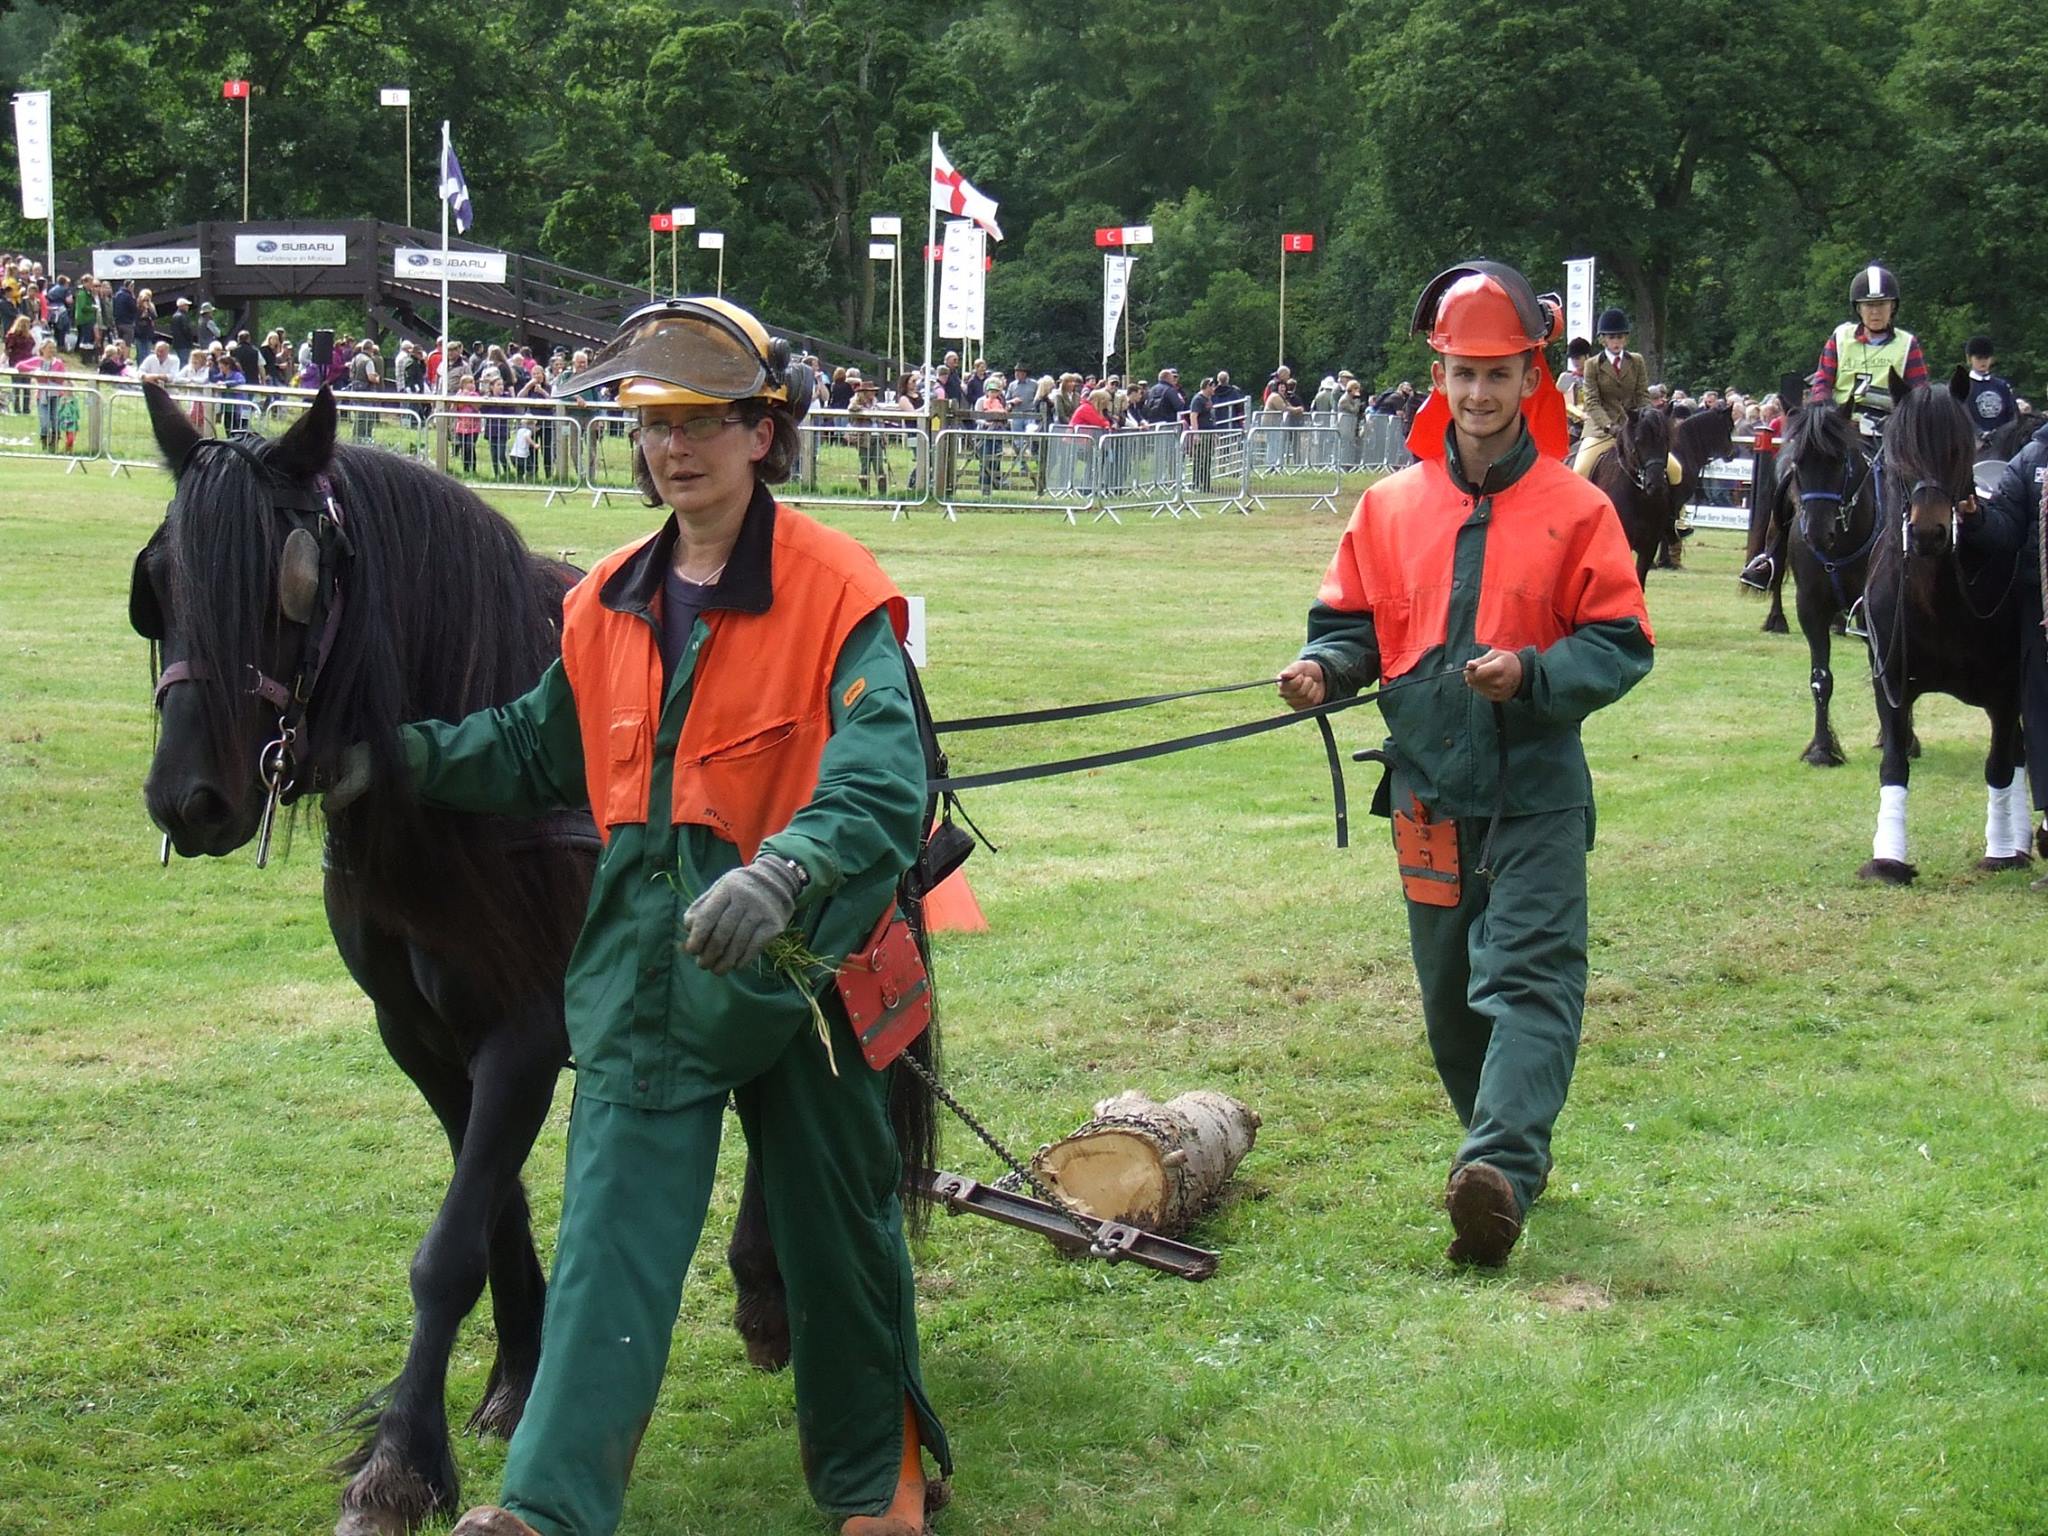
x=748, y=582
x=1505, y=470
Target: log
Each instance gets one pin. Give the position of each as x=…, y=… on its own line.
x=1156, y=1166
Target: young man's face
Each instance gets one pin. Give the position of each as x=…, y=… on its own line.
x=1485, y=393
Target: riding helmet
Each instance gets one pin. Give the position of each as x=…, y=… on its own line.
x=1612, y=323
x=1873, y=282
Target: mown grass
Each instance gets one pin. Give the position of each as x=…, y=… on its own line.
x=1786, y=1279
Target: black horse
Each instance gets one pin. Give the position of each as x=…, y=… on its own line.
x=1828, y=495
x=1635, y=476
x=307, y=597
x=1936, y=627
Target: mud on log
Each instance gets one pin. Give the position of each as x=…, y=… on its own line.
x=1156, y=1166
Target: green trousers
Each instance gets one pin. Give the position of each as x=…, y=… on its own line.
x=1503, y=978
x=637, y=1186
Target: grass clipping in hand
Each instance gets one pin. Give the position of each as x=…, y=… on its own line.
x=787, y=952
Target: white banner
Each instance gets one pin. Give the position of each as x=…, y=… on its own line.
x=1578, y=299
x=158, y=262
x=1116, y=282
x=291, y=250
x=457, y=266
x=881, y=250
x=389, y=97
x=32, y=138
x=961, y=281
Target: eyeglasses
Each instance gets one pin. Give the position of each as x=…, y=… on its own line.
x=698, y=429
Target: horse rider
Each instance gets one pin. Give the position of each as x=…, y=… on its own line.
x=1496, y=585
x=1988, y=398
x=1572, y=385
x=731, y=702
x=1856, y=365
x=2007, y=529
x=1616, y=382
x=1859, y=358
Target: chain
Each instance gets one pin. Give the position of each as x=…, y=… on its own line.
x=990, y=1140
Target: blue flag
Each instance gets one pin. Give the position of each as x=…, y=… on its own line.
x=454, y=190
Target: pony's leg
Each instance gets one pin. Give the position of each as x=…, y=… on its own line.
x=1823, y=751
x=1774, y=621
x=761, y=1314
x=1888, y=847
x=2007, y=833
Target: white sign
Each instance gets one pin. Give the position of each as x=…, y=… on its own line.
x=683, y=218
x=1137, y=234
x=885, y=224
x=1116, y=282
x=710, y=240
x=457, y=266
x=1578, y=299
x=161, y=261
x=881, y=250
x=913, y=639
x=961, y=281
x=32, y=138
x=291, y=250
x=400, y=97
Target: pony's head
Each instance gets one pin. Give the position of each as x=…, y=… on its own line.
x=1928, y=447
x=234, y=588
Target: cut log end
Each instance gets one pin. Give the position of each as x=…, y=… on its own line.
x=1156, y=1166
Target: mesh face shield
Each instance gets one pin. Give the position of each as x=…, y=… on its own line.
x=694, y=349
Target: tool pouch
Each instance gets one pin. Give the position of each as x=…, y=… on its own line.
x=1428, y=853
x=886, y=990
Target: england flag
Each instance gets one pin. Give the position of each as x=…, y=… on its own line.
x=454, y=190
x=954, y=194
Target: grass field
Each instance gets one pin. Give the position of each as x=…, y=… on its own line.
x=1787, y=1278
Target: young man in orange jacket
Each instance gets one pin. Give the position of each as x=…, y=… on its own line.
x=1499, y=583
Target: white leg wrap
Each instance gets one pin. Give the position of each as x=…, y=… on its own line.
x=2019, y=813
x=1998, y=823
x=1890, y=842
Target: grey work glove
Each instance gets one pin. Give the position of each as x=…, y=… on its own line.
x=730, y=924
x=353, y=780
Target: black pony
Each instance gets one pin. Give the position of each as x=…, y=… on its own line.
x=1828, y=491
x=1634, y=476
x=1936, y=627
x=379, y=591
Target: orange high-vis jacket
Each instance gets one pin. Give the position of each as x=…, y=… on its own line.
x=760, y=695
x=1555, y=559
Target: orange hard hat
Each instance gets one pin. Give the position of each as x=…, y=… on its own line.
x=1484, y=309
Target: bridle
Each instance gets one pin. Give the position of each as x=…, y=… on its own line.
x=310, y=600
x=1845, y=498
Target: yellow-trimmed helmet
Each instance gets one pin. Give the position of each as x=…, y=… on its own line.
x=696, y=351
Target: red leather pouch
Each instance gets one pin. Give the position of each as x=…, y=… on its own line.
x=1428, y=855
x=886, y=991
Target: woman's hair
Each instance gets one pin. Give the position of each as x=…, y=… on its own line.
x=20, y=327
x=774, y=467
x=1101, y=400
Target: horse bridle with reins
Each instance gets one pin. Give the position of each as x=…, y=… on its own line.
x=281, y=765
x=1845, y=498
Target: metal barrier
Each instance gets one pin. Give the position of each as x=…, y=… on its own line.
x=992, y=469
x=1382, y=444
x=1136, y=469
x=1725, y=486
x=866, y=458
x=1292, y=463
x=605, y=450
x=55, y=417
x=131, y=441
x=508, y=443
x=1214, y=471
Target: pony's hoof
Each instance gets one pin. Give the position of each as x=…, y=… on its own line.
x=763, y=1326
x=1823, y=754
x=1890, y=871
x=2007, y=861
x=1776, y=625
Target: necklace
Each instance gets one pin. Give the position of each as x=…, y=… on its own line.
x=704, y=581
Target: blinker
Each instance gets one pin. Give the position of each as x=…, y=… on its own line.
x=298, y=577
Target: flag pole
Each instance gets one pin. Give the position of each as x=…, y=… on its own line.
x=245, y=154
x=446, y=149
x=672, y=286
x=1106, y=260
x=650, y=259
x=931, y=238
x=408, y=158
x=1283, y=303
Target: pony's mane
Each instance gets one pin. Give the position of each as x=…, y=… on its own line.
x=1703, y=436
x=1929, y=438
x=445, y=612
x=1820, y=430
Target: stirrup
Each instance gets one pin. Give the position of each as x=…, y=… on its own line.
x=1759, y=573
x=1852, y=624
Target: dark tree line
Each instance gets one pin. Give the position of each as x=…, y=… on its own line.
x=1730, y=165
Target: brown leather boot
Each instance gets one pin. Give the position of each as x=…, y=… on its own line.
x=1483, y=1214
x=489, y=1520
